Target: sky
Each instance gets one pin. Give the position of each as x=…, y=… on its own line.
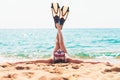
x=37, y=13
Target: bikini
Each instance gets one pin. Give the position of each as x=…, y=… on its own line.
x=59, y=56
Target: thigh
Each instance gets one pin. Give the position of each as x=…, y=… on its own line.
x=62, y=47
x=56, y=47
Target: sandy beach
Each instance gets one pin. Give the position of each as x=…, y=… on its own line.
x=61, y=71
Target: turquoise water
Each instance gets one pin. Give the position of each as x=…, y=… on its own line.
x=80, y=43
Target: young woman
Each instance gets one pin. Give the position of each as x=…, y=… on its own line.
x=60, y=52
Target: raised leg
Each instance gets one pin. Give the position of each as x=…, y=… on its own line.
x=61, y=41
x=57, y=46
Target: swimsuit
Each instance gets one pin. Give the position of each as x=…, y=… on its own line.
x=59, y=56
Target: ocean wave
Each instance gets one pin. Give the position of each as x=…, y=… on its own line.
x=97, y=54
x=113, y=41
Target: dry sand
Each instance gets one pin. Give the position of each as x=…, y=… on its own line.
x=61, y=71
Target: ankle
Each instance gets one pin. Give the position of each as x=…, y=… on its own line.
x=58, y=31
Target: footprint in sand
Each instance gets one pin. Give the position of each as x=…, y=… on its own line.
x=5, y=65
x=115, y=69
x=22, y=68
x=9, y=76
x=56, y=70
x=76, y=75
x=28, y=74
x=75, y=67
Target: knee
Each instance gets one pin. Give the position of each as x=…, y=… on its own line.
x=60, y=41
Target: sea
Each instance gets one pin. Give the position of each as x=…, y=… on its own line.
x=81, y=43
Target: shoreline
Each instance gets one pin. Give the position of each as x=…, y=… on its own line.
x=15, y=59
